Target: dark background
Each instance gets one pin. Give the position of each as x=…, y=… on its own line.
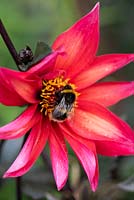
x=29, y=21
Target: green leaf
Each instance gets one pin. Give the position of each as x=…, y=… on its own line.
x=42, y=50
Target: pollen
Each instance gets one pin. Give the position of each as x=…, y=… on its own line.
x=52, y=92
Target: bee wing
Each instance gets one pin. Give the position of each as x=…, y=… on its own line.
x=61, y=110
x=61, y=107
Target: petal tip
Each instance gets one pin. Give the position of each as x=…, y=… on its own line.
x=6, y=175
x=94, y=186
x=9, y=174
x=60, y=186
x=95, y=11
x=132, y=56
x=96, y=7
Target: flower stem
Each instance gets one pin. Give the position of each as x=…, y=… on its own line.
x=18, y=189
x=9, y=43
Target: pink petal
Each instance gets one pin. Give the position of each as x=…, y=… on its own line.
x=59, y=157
x=9, y=96
x=101, y=67
x=93, y=121
x=20, y=125
x=46, y=64
x=107, y=93
x=15, y=83
x=30, y=151
x=86, y=152
x=108, y=148
x=80, y=42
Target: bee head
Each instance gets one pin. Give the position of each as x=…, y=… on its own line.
x=67, y=93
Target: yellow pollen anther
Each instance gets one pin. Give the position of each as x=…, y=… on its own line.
x=50, y=89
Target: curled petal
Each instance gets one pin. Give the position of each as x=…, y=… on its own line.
x=59, y=157
x=108, y=93
x=95, y=122
x=20, y=125
x=15, y=83
x=86, y=152
x=9, y=96
x=30, y=151
x=46, y=64
x=85, y=31
x=102, y=66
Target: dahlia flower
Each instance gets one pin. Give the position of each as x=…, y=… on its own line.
x=66, y=103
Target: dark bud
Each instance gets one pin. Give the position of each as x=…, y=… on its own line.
x=25, y=55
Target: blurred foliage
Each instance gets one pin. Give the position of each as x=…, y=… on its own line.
x=29, y=21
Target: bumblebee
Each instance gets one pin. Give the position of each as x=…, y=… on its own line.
x=65, y=99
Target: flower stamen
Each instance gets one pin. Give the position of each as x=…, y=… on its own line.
x=58, y=97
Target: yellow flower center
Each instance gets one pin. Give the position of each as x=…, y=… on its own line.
x=58, y=98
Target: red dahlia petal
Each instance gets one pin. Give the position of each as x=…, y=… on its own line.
x=107, y=93
x=20, y=125
x=8, y=95
x=101, y=67
x=86, y=153
x=108, y=148
x=59, y=157
x=93, y=121
x=80, y=43
x=30, y=151
x=15, y=83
